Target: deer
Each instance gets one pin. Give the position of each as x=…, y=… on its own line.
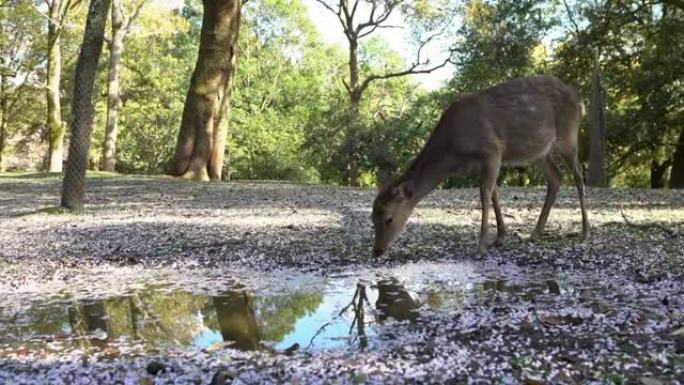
x=522, y=121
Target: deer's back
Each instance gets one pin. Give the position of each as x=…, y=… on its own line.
x=520, y=120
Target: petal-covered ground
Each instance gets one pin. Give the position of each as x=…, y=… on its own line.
x=552, y=311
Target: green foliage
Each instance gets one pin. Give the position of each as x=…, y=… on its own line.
x=498, y=42
x=275, y=100
x=279, y=314
x=290, y=115
x=641, y=56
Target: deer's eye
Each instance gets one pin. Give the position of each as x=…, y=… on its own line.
x=388, y=221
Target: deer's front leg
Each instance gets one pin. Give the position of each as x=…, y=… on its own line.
x=487, y=187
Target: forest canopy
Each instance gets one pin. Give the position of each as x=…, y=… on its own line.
x=298, y=113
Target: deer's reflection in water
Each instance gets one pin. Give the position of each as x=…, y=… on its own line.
x=393, y=302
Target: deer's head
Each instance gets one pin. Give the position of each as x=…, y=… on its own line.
x=391, y=210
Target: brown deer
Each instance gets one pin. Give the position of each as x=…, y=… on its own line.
x=524, y=120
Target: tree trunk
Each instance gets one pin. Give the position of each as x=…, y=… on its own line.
x=4, y=80
x=237, y=320
x=353, y=177
x=597, y=132
x=54, y=76
x=73, y=188
x=113, y=102
x=677, y=173
x=354, y=90
x=215, y=167
x=203, y=133
x=658, y=171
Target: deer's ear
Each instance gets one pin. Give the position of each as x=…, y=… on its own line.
x=407, y=189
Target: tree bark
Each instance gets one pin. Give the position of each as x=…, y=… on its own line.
x=73, y=187
x=54, y=77
x=658, y=171
x=113, y=102
x=116, y=47
x=677, y=172
x=597, y=131
x=205, y=116
x=4, y=86
x=354, y=90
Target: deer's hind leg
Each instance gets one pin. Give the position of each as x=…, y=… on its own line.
x=488, y=175
x=570, y=158
x=500, y=227
x=553, y=182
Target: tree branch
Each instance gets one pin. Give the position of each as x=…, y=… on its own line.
x=136, y=14
x=337, y=13
x=413, y=68
x=374, y=23
x=571, y=17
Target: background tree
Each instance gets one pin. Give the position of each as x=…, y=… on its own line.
x=58, y=10
x=275, y=102
x=201, y=140
x=20, y=55
x=597, y=130
x=378, y=16
x=677, y=175
x=73, y=187
x=154, y=77
x=641, y=51
x=120, y=28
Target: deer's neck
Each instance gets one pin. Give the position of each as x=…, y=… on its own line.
x=427, y=170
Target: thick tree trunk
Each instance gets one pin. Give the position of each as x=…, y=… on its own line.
x=73, y=188
x=4, y=86
x=54, y=76
x=658, y=171
x=237, y=320
x=677, y=173
x=203, y=133
x=113, y=102
x=597, y=132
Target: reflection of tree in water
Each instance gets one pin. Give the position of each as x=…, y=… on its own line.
x=170, y=317
x=153, y=317
x=86, y=318
x=162, y=318
x=279, y=314
x=237, y=319
x=246, y=320
x=35, y=320
x=358, y=307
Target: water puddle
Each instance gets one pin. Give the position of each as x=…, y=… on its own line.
x=325, y=313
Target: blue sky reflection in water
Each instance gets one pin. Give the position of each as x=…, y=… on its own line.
x=331, y=331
